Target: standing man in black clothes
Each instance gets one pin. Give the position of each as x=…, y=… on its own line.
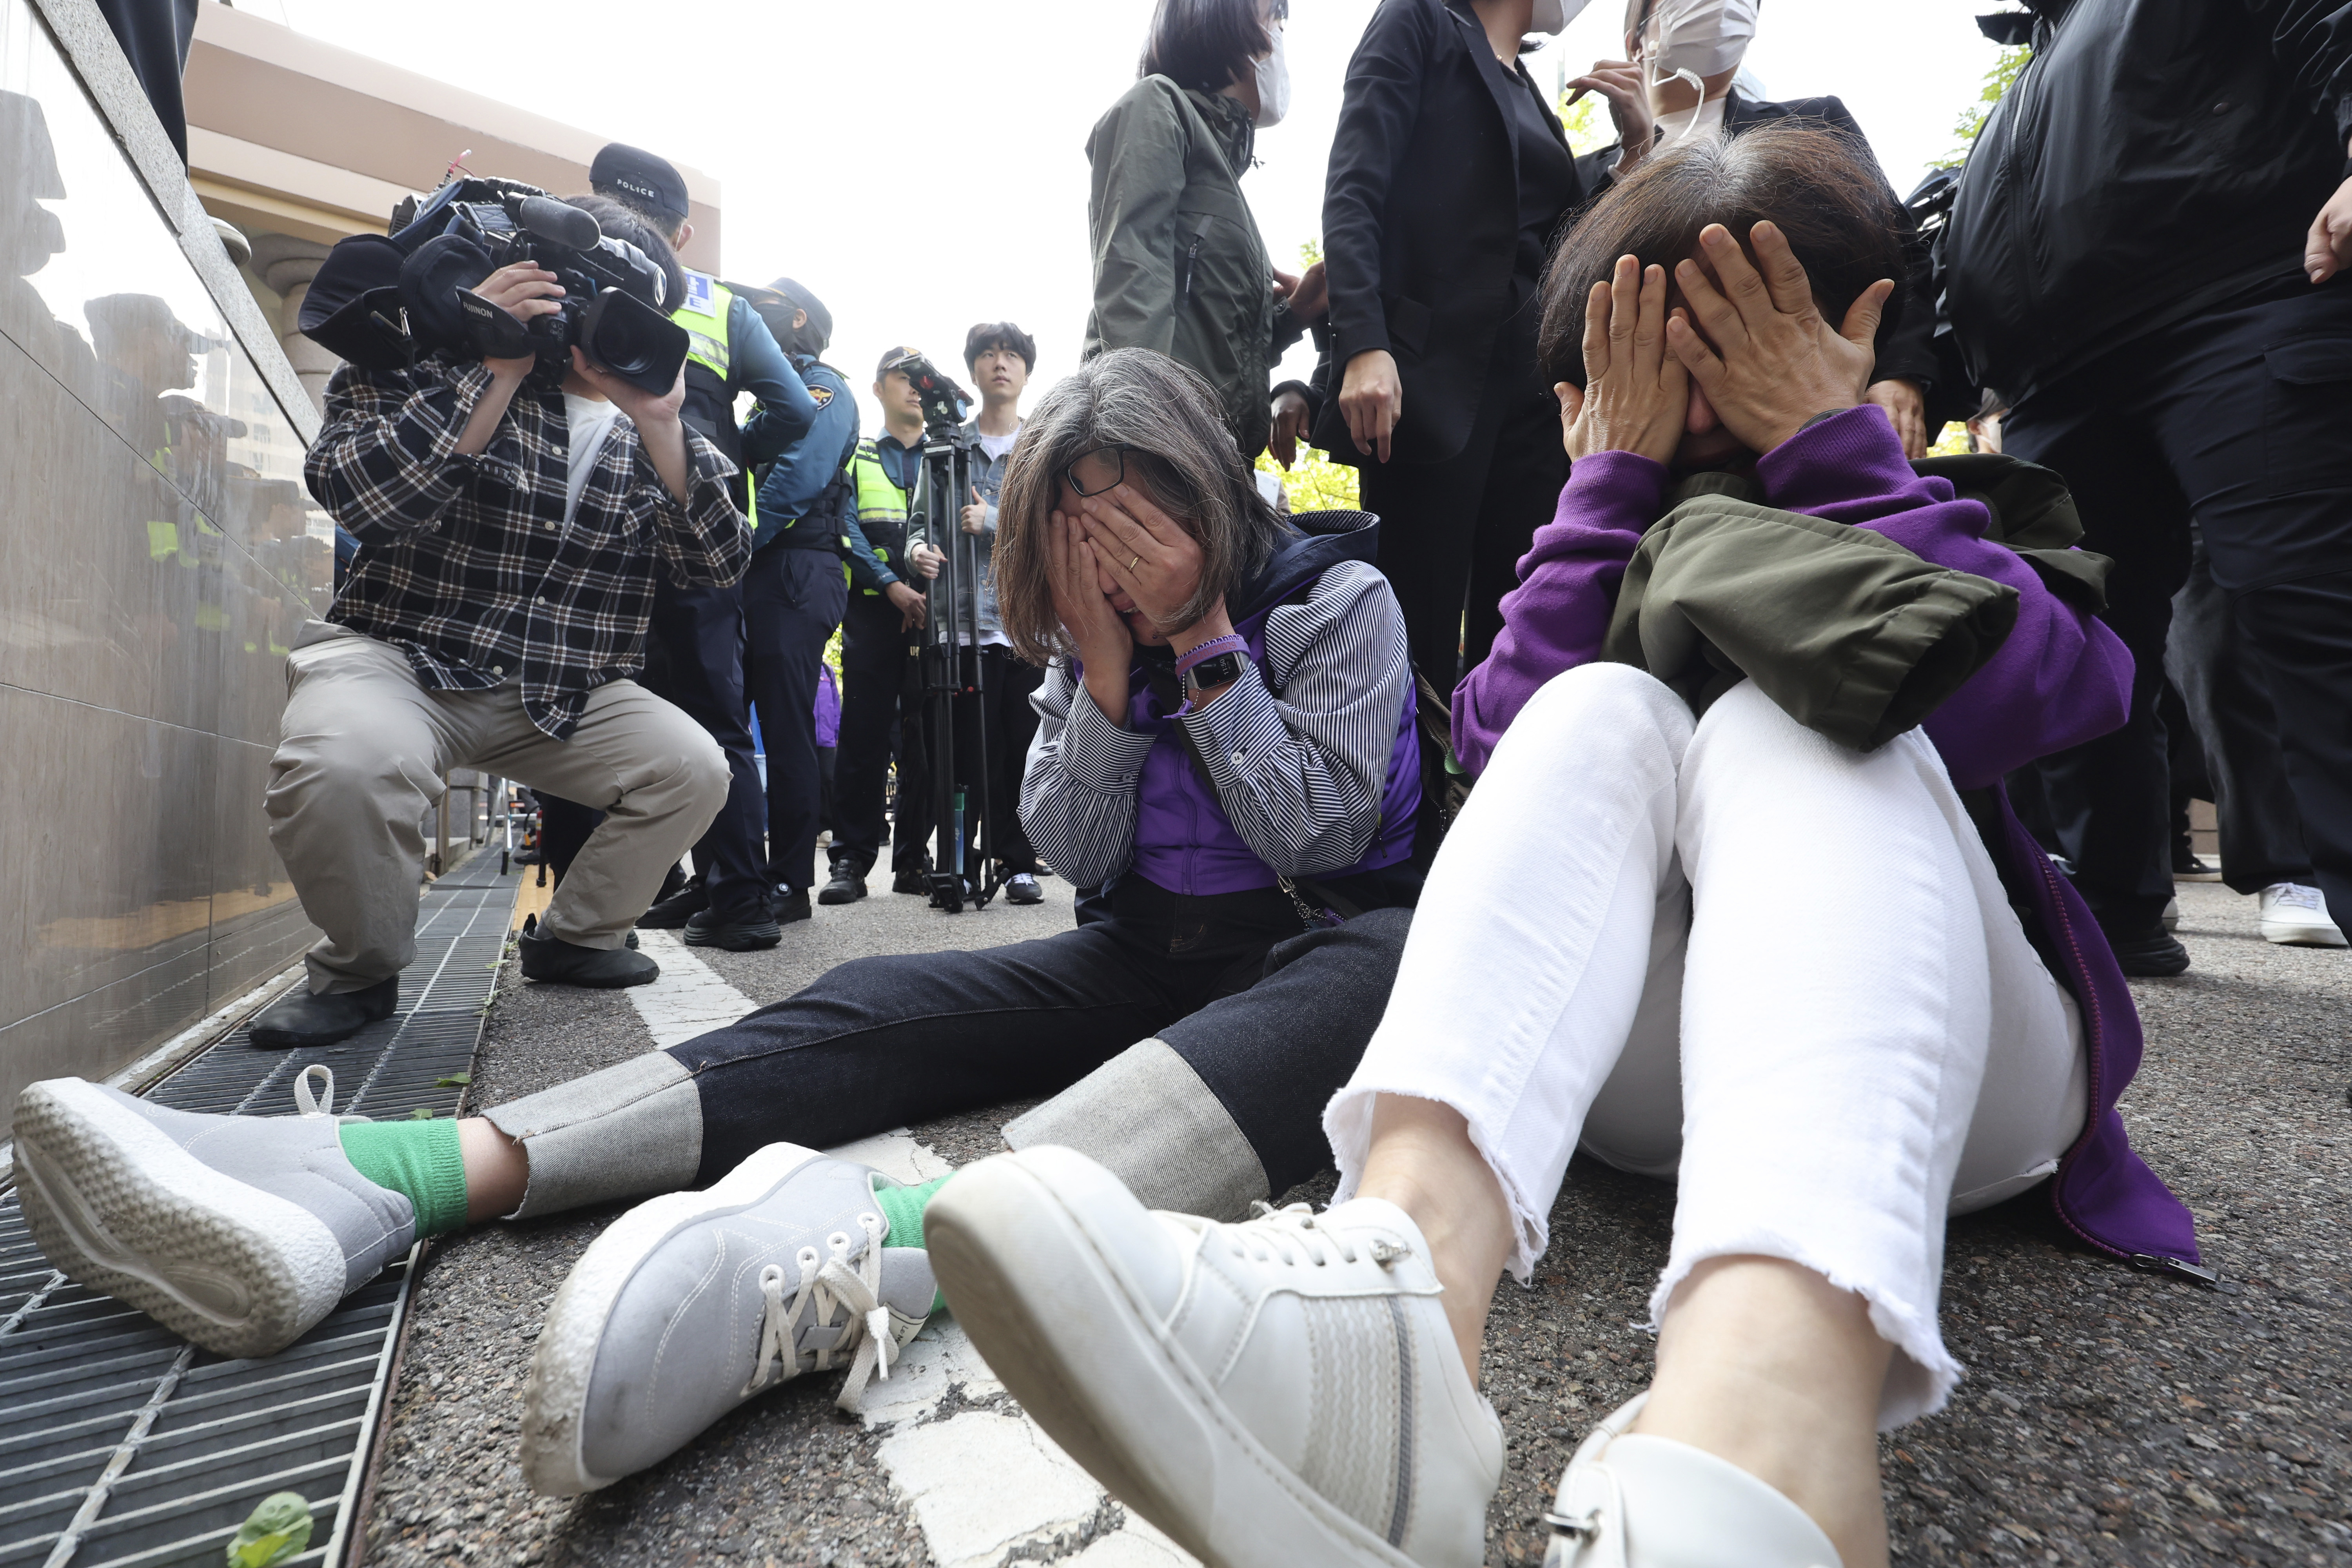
x=695, y=655
x=880, y=678
x=2147, y=255
x=795, y=592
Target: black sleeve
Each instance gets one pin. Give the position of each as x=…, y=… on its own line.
x=2312, y=40
x=1378, y=107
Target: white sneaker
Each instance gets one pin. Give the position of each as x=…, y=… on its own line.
x=2295, y=916
x=2170, y=919
x=1280, y=1394
x=1636, y=1501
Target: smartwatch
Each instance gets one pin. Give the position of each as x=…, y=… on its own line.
x=1222, y=670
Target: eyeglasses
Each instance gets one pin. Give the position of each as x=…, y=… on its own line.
x=1091, y=473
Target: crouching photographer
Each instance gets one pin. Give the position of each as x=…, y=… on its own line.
x=506, y=446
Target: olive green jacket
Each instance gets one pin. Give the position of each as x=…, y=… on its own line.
x=1179, y=265
x=1851, y=633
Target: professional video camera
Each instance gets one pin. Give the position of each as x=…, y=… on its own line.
x=384, y=300
x=943, y=401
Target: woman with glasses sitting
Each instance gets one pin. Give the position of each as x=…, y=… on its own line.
x=1226, y=760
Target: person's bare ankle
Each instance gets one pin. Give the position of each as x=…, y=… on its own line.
x=1765, y=1364
x=1422, y=1160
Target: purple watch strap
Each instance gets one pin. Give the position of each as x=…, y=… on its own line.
x=1232, y=642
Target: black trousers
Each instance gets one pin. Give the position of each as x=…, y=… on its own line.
x=1273, y=1021
x=2237, y=417
x=1006, y=683
x=2227, y=701
x=880, y=679
x=694, y=658
x=1452, y=534
x=793, y=599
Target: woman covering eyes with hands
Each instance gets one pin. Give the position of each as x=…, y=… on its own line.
x=1759, y=674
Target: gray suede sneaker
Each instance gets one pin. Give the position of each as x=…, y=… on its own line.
x=692, y=1303
x=240, y=1232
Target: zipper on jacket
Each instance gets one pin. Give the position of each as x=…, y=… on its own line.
x=2149, y=1263
x=1185, y=290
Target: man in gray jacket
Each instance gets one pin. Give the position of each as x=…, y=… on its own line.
x=999, y=357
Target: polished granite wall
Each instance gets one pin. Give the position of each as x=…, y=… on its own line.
x=157, y=551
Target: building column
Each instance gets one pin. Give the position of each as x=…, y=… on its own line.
x=287, y=265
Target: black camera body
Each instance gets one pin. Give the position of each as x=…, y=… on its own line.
x=943, y=401
x=383, y=302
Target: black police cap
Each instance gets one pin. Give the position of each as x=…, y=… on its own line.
x=649, y=184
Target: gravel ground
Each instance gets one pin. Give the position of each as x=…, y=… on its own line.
x=2107, y=1416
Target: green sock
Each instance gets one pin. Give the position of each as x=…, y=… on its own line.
x=418, y=1160
x=902, y=1209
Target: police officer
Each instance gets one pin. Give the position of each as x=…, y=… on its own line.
x=694, y=656
x=795, y=591
x=880, y=683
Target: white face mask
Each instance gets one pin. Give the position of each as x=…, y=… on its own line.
x=1273, y=84
x=1551, y=15
x=1694, y=39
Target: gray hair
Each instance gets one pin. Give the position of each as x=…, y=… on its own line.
x=1178, y=452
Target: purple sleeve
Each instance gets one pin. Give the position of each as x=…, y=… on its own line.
x=828, y=708
x=2062, y=677
x=1556, y=618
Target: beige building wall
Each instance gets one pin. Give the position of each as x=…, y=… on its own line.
x=299, y=143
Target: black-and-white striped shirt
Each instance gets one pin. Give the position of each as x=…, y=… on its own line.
x=1298, y=749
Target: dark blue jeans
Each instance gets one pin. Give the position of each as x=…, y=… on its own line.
x=791, y=600
x=1273, y=1021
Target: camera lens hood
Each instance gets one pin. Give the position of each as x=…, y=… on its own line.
x=633, y=340
x=429, y=281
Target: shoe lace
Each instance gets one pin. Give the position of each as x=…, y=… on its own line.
x=827, y=1286
x=2295, y=895
x=1289, y=1236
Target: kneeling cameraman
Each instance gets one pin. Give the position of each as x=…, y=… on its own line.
x=512, y=514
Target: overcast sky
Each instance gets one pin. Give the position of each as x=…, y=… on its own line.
x=922, y=165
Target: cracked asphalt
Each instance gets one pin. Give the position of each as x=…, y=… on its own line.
x=2107, y=1416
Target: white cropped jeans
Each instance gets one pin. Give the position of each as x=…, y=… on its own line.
x=1740, y=955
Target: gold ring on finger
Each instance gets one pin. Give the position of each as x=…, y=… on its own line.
x=1134, y=563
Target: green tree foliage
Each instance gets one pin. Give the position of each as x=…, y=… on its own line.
x=1587, y=122
x=2005, y=66
x=1314, y=483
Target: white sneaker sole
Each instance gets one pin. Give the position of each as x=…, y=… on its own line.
x=1071, y=1338
x=121, y=1208
x=2284, y=934
x=556, y=1397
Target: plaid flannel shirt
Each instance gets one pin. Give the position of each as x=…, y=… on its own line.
x=466, y=563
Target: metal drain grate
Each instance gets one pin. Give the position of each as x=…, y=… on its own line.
x=122, y=1446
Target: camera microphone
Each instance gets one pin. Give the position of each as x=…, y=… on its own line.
x=559, y=221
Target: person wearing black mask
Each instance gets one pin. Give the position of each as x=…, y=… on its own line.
x=2147, y=254
x=1449, y=178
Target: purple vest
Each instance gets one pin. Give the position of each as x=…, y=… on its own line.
x=1183, y=841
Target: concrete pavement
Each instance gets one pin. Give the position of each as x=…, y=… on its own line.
x=2107, y=1416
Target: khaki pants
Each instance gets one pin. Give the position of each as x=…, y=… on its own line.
x=361, y=753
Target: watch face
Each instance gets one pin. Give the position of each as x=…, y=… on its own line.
x=1222, y=670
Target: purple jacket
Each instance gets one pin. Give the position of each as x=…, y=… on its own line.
x=2060, y=678
x=828, y=708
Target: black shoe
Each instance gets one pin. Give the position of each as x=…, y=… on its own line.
x=2192, y=868
x=676, y=910
x=559, y=962
x=847, y=886
x=742, y=931
x=2152, y=952
x=1021, y=888
x=791, y=907
x=303, y=1019
x=914, y=879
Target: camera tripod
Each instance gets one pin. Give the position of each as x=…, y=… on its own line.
x=963, y=868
